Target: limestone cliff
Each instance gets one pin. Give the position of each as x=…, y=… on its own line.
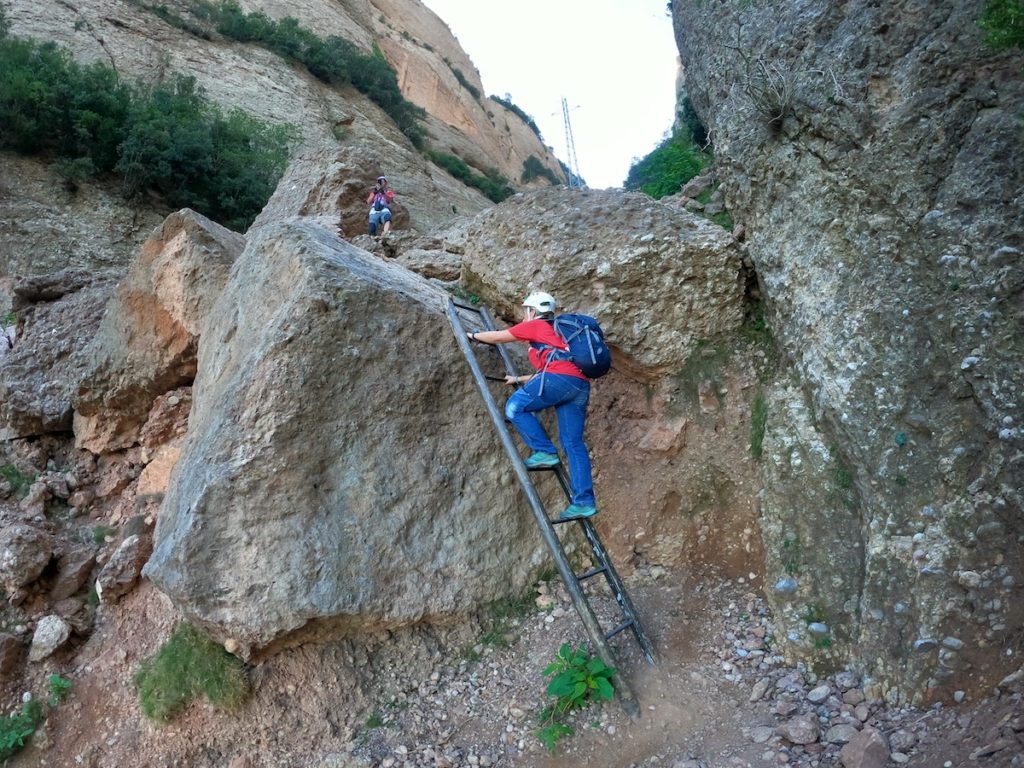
x=874, y=154
x=140, y=43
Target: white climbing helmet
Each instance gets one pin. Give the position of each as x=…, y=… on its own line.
x=542, y=302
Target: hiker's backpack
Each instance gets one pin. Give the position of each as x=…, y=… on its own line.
x=585, y=339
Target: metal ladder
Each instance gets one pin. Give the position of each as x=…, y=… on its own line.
x=482, y=320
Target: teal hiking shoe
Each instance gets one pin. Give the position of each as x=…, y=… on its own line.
x=541, y=460
x=577, y=511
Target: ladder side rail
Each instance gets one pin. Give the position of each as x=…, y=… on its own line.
x=506, y=358
x=618, y=589
x=576, y=593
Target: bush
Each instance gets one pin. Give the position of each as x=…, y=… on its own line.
x=507, y=104
x=665, y=170
x=533, y=167
x=188, y=664
x=183, y=147
x=1003, y=23
x=758, y=420
x=465, y=83
x=168, y=139
x=494, y=185
x=334, y=61
x=20, y=484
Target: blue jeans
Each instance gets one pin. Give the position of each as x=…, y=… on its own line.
x=569, y=396
x=378, y=218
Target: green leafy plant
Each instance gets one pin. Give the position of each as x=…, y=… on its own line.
x=758, y=420
x=503, y=614
x=10, y=319
x=493, y=184
x=507, y=104
x=792, y=551
x=59, y=688
x=166, y=138
x=20, y=483
x=465, y=294
x=188, y=664
x=465, y=83
x=332, y=60
x=1003, y=23
x=668, y=167
x=577, y=681
x=101, y=532
x=16, y=729
x=534, y=168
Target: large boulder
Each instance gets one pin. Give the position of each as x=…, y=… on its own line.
x=58, y=314
x=340, y=470
x=146, y=344
x=874, y=156
x=660, y=279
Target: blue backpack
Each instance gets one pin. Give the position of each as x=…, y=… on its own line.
x=587, y=348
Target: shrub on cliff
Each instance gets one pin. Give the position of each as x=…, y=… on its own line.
x=666, y=169
x=167, y=139
x=333, y=60
x=1003, y=22
x=493, y=184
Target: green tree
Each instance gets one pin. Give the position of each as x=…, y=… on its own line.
x=1003, y=22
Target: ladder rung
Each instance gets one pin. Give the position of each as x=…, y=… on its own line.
x=541, y=469
x=591, y=572
x=618, y=629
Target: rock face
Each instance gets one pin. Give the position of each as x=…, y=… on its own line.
x=660, y=279
x=669, y=427
x=58, y=314
x=45, y=228
x=146, y=344
x=881, y=200
x=141, y=44
x=335, y=472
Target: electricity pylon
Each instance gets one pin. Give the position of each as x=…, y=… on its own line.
x=574, y=166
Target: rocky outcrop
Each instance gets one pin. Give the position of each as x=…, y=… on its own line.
x=335, y=472
x=874, y=157
x=146, y=344
x=139, y=43
x=58, y=315
x=302, y=422
x=45, y=227
x=660, y=279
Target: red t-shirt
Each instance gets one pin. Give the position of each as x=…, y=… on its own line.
x=542, y=332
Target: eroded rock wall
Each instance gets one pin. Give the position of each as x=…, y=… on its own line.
x=874, y=154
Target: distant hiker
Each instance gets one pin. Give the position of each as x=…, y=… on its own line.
x=379, y=200
x=558, y=384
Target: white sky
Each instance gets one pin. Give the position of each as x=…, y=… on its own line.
x=613, y=60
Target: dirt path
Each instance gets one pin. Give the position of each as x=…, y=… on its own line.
x=422, y=699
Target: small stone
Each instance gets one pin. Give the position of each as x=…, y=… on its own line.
x=760, y=689
x=803, y=729
x=899, y=758
x=819, y=694
x=761, y=733
x=840, y=734
x=51, y=633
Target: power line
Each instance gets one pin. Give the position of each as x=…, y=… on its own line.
x=574, y=167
